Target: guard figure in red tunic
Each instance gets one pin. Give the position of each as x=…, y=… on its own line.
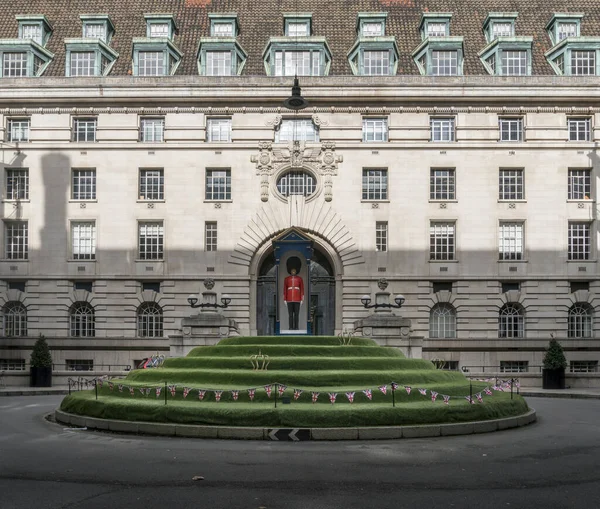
x=293, y=296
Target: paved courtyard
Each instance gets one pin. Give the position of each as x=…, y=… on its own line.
x=554, y=463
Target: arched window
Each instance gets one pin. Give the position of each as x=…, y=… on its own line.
x=82, y=320
x=511, y=321
x=150, y=320
x=15, y=319
x=296, y=182
x=442, y=321
x=580, y=321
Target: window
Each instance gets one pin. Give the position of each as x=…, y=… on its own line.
x=442, y=184
x=439, y=29
x=580, y=321
x=441, y=286
x=298, y=26
x=444, y=63
x=375, y=129
x=579, y=185
x=94, y=31
x=511, y=185
x=510, y=242
x=150, y=320
x=376, y=63
x=151, y=63
x=14, y=65
x=158, y=30
x=32, y=31
x=579, y=129
x=374, y=185
x=372, y=29
x=381, y=236
x=450, y=366
x=565, y=30
x=86, y=286
x=151, y=286
x=302, y=129
x=82, y=63
x=297, y=63
x=514, y=62
x=15, y=319
x=82, y=320
x=84, y=129
x=218, y=185
x=576, y=286
x=224, y=29
x=442, y=129
x=16, y=240
x=218, y=63
x=79, y=364
x=581, y=366
x=583, y=63
x=514, y=366
x=152, y=184
x=441, y=241
x=511, y=129
x=579, y=241
x=296, y=183
x=510, y=286
x=442, y=321
x=18, y=129
x=12, y=364
x=83, y=185
x=17, y=285
x=17, y=183
x=151, y=239
x=210, y=236
x=152, y=130
x=83, y=238
x=218, y=129
x=511, y=322
x=502, y=29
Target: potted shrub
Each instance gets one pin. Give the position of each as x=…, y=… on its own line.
x=40, y=370
x=553, y=372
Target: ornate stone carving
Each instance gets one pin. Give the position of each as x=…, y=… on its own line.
x=209, y=284
x=382, y=284
x=321, y=159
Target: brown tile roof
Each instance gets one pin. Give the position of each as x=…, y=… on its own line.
x=334, y=19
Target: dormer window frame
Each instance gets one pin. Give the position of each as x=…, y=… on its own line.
x=98, y=19
x=499, y=18
x=493, y=55
x=560, y=18
x=301, y=18
x=365, y=18
x=224, y=19
x=434, y=18
x=39, y=20
x=221, y=44
x=285, y=45
x=160, y=19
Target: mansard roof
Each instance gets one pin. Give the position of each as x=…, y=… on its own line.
x=333, y=19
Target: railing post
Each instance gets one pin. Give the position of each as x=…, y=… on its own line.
x=165, y=393
x=96, y=384
x=276, y=391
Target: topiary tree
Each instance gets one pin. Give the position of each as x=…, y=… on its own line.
x=554, y=357
x=40, y=356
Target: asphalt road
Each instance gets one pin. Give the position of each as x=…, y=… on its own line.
x=552, y=464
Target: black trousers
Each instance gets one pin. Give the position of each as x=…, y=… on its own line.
x=293, y=312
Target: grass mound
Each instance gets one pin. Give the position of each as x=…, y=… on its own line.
x=218, y=385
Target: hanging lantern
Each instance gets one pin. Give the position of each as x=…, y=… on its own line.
x=296, y=101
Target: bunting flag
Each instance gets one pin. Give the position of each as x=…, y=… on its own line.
x=111, y=386
x=281, y=389
x=315, y=397
x=383, y=388
x=368, y=394
x=350, y=396
x=132, y=391
x=186, y=391
x=235, y=395
x=148, y=390
x=470, y=400
x=394, y=386
x=142, y=391
x=517, y=384
x=488, y=391
x=434, y=396
x=251, y=393
x=201, y=394
x=173, y=389
x=479, y=397
x=100, y=382
x=158, y=389
x=446, y=399
x=297, y=393
x=120, y=387
x=332, y=396
x=218, y=395
x=268, y=389
x=423, y=392
x=408, y=389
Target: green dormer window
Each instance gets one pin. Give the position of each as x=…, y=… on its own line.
x=156, y=54
x=499, y=24
x=439, y=54
x=160, y=26
x=506, y=54
x=221, y=54
x=373, y=53
x=91, y=55
x=297, y=25
x=435, y=24
x=572, y=54
x=564, y=25
x=223, y=25
x=97, y=26
x=34, y=28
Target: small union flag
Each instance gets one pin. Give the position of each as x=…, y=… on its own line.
x=383, y=389
x=479, y=397
x=446, y=399
x=368, y=394
x=158, y=389
x=172, y=389
x=251, y=393
x=120, y=387
x=111, y=386
x=132, y=391
x=297, y=393
x=488, y=391
x=315, y=397
x=218, y=396
x=434, y=396
x=268, y=390
x=423, y=392
x=201, y=394
x=408, y=389
x=281, y=389
x=235, y=395
x=186, y=391
x=350, y=396
x=332, y=396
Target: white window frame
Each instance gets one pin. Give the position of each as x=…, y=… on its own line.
x=218, y=184
x=151, y=235
x=82, y=320
x=372, y=29
x=150, y=320
x=515, y=62
x=511, y=322
x=17, y=130
x=375, y=130
x=579, y=241
x=442, y=129
x=82, y=63
x=297, y=129
x=511, y=184
x=583, y=62
x=580, y=321
x=218, y=63
x=218, y=130
x=83, y=184
x=14, y=64
x=502, y=29
x=510, y=129
x=152, y=184
x=376, y=62
x=17, y=183
x=442, y=184
x=442, y=321
x=297, y=62
x=151, y=63
x=511, y=241
x=442, y=241
x=83, y=240
x=579, y=186
x=375, y=184
x=16, y=240
x=84, y=129
x=580, y=128
x=296, y=183
x=444, y=62
x=152, y=129
x=95, y=30
x=15, y=320
x=159, y=29
x=381, y=236
x=297, y=28
x=210, y=236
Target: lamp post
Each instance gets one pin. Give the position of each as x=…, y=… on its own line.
x=193, y=302
x=398, y=301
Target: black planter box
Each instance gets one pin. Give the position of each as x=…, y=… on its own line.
x=553, y=378
x=40, y=377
